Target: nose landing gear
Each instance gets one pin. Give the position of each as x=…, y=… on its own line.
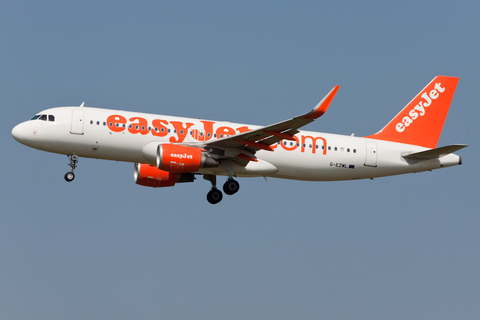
x=69, y=176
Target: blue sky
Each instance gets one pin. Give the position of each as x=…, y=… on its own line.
x=102, y=247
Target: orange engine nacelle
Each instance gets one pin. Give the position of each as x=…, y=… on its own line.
x=176, y=158
x=150, y=176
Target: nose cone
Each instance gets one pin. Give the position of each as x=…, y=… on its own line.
x=17, y=133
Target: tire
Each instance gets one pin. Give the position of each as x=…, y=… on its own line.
x=231, y=187
x=214, y=196
x=69, y=176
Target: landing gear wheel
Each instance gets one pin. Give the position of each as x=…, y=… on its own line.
x=69, y=176
x=231, y=187
x=214, y=196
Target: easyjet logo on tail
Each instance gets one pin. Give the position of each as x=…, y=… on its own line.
x=421, y=121
x=419, y=109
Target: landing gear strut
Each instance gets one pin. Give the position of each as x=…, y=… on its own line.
x=69, y=176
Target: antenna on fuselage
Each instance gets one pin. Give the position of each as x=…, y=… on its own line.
x=81, y=106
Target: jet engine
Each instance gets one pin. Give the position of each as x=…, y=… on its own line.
x=177, y=158
x=150, y=176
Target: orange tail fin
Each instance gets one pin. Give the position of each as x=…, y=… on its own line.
x=421, y=121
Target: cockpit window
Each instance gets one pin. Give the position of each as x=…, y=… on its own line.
x=44, y=117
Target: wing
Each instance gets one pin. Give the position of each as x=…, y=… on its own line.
x=244, y=145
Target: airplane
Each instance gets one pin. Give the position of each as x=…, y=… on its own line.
x=167, y=150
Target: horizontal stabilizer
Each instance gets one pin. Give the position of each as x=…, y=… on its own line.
x=435, y=153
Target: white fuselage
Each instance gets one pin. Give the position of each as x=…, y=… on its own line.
x=132, y=137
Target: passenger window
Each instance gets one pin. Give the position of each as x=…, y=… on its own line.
x=51, y=117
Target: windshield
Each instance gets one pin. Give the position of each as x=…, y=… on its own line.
x=44, y=117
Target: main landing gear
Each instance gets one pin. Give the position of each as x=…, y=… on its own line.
x=69, y=176
x=214, y=196
x=231, y=186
